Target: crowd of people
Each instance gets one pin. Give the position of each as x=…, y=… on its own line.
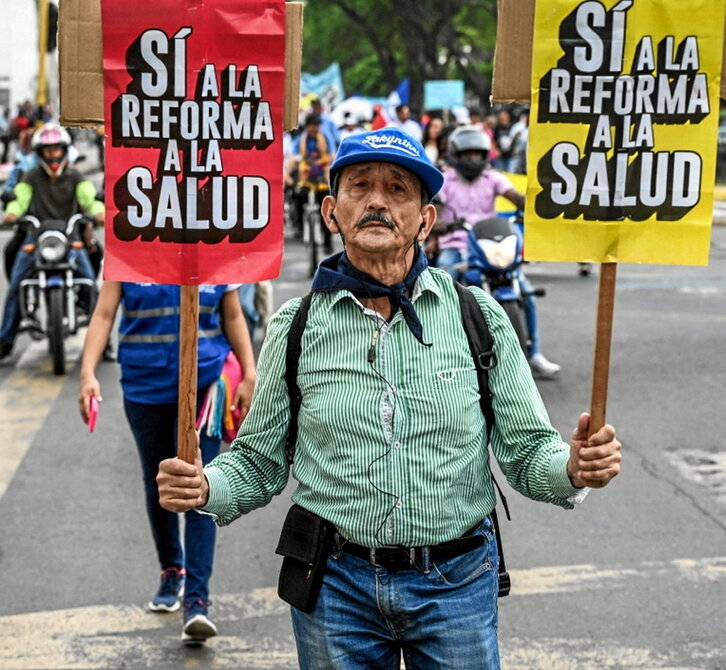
x=506, y=127
x=18, y=127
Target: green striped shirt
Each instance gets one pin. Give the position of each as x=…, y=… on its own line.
x=391, y=452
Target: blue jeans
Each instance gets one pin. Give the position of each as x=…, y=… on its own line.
x=22, y=269
x=442, y=616
x=154, y=428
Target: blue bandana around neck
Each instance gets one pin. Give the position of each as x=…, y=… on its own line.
x=336, y=273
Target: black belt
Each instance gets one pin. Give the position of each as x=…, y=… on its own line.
x=396, y=557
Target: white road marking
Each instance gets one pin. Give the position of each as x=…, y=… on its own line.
x=571, y=578
x=569, y=654
x=26, y=398
x=255, y=630
x=703, y=467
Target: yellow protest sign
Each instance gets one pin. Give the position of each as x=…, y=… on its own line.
x=622, y=142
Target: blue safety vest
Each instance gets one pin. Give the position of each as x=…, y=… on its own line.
x=148, y=348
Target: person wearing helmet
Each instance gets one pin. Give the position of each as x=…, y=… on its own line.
x=53, y=190
x=51, y=144
x=395, y=549
x=469, y=191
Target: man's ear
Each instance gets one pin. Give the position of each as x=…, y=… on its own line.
x=428, y=219
x=327, y=210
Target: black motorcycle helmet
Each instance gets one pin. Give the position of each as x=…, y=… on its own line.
x=467, y=139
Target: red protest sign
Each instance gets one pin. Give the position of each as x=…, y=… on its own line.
x=193, y=108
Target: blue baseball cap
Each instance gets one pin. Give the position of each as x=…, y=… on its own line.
x=388, y=145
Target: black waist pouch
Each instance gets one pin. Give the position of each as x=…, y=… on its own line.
x=305, y=550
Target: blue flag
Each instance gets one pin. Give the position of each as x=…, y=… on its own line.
x=327, y=85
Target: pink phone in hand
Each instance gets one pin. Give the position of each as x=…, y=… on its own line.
x=93, y=414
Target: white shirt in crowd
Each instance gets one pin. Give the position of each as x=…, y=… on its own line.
x=408, y=126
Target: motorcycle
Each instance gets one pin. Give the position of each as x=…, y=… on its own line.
x=494, y=257
x=49, y=297
x=314, y=233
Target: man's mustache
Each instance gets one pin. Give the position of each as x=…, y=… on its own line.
x=378, y=218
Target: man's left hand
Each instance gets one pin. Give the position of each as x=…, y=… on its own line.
x=594, y=461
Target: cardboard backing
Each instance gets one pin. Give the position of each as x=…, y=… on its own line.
x=513, y=53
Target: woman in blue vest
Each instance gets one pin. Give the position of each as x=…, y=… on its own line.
x=149, y=356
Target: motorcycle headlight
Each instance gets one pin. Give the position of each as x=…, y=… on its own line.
x=500, y=254
x=52, y=246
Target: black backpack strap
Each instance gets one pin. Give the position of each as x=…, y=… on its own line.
x=481, y=345
x=505, y=582
x=292, y=359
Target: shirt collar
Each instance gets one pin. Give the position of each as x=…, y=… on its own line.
x=424, y=283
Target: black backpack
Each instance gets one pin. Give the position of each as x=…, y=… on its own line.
x=482, y=351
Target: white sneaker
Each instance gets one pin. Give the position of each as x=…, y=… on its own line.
x=542, y=368
x=197, y=624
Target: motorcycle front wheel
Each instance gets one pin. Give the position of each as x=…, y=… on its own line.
x=55, y=329
x=516, y=316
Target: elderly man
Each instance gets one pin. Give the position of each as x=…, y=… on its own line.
x=391, y=458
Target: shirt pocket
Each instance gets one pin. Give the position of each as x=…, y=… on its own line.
x=445, y=407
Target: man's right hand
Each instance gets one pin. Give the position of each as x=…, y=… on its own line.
x=182, y=486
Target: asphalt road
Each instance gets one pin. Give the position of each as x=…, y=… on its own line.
x=634, y=578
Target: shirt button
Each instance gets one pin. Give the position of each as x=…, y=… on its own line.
x=397, y=445
x=399, y=504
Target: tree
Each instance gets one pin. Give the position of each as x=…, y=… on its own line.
x=379, y=42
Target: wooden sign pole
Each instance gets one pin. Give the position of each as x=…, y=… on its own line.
x=188, y=332
x=189, y=307
x=603, y=338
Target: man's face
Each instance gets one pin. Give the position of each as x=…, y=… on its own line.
x=378, y=208
x=403, y=114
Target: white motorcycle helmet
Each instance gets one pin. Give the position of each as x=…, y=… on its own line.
x=51, y=135
x=469, y=138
